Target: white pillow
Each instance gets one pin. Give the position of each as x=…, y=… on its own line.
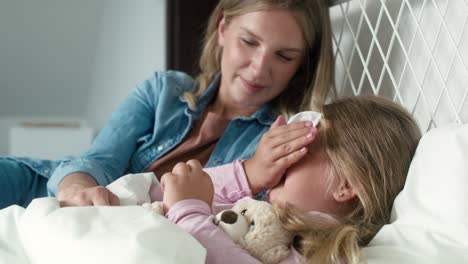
x=430, y=216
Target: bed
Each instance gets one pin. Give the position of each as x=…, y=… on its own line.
x=412, y=51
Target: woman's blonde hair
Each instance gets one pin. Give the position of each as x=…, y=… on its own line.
x=370, y=142
x=313, y=81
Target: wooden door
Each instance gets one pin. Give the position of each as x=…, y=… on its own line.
x=186, y=24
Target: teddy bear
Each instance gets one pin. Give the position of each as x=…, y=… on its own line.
x=254, y=226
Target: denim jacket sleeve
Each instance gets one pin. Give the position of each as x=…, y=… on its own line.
x=111, y=151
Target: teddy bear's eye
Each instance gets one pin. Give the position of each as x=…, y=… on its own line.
x=243, y=211
x=252, y=226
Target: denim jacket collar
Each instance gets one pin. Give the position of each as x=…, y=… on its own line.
x=265, y=115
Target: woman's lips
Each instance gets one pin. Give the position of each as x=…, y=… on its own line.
x=251, y=86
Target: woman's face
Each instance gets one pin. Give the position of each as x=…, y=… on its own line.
x=305, y=183
x=262, y=51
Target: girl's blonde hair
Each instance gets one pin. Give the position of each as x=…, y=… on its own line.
x=313, y=81
x=370, y=142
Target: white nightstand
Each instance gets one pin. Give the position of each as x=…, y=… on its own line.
x=49, y=140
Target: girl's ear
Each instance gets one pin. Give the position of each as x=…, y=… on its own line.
x=345, y=192
x=221, y=28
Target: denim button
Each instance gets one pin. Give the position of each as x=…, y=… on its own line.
x=160, y=148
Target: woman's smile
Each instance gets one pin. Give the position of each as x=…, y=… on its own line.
x=251, y=87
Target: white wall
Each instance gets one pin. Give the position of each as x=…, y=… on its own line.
x=75, y=60
x=131, y=46
x=46, y=50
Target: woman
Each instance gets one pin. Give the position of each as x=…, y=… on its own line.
x=260, y=58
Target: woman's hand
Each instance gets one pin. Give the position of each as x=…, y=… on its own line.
x=279, y=148
x=186, y=181
x=80, y=189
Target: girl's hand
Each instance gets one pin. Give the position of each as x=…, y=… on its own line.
x=279, y=148
x=186, y=181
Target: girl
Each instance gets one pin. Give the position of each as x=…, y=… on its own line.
x=350, y=175
x=259, y=58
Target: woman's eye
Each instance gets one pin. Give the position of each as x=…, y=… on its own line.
x=243, y=211
x=285, y=58
x=248, y=42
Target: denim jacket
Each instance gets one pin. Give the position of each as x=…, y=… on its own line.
x=152, y=121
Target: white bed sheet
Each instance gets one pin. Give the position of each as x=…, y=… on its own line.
x=46, y=233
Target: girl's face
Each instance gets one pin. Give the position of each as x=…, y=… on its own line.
x=305, y=184
x=262, y=51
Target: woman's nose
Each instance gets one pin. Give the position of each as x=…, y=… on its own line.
x=259, y=64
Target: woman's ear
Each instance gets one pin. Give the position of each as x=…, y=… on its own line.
x=221, y=28
x=344, y=193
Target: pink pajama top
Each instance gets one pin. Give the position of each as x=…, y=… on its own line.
x=196, y=217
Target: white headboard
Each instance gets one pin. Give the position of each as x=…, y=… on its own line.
x=413, y=51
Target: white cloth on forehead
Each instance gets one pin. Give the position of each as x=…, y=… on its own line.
x=312, y=116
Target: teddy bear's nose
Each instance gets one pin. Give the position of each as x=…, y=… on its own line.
x=228, y=217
